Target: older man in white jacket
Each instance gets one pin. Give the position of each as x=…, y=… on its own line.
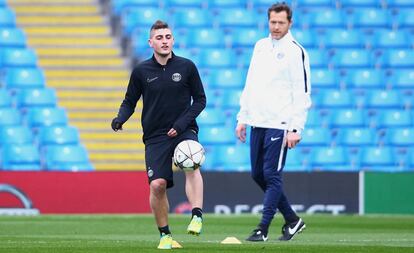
x=275, y=102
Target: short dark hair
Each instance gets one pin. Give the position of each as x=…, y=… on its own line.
x=159, y=24
x=279, y=7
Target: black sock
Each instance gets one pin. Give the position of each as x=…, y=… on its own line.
x=263, y=227
x=292, y=219
x=197, y=212
x=164, y=230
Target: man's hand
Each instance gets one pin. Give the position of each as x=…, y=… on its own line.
x=292, y=139
x=116, y=125
x=172, y=132
x=241, y=132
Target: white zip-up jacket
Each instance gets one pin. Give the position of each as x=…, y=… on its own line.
x=277, y=90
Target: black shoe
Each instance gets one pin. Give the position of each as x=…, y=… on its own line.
x=290, y=230
x=257, y=236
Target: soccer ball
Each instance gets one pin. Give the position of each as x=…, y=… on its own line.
x=189, y=155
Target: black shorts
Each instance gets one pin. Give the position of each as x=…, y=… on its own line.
x=159, y=157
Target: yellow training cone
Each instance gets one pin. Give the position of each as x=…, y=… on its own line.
x=176, y=245
x=231, y=240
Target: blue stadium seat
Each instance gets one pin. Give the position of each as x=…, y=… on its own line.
x=5, y=98
x=211, y=117
x=18, y=57
x=233, y=157
x=7, y=17
x=48, y=116
x=356, y=137
x=218, y=4
x=314, y=3
x=305, y=37
x=140, y=17
x=67, y=158
x=394, y=118
x=400, y=3
x=18, y=78
x=263, y=5
x=239, y=17
x=58, y=135
x=348, y=58
x=217, y=58
x=295, y=160
x=402, y=78
x=45, y=97
x=191, y=18
x=400, y=136
x=9, y=116
x=204, y=37
x=316, y=137
x=391, y=39
x=21, y=157
x=384, y=99
x=225, y=78
x=343, y=38
x=318, y=58
x=246, y=37
x=359, y=3
x=348, y=118
x=217, y=135
x=326, y=157
x=177, y=4
x=119, y=5
x=231, y=99
x=327, y=18
x=370, y=17
x=214, y=96
x=244, y=58
x=12, y=37
x=372, y=157
x=315, y=119
x=15, y=134
x=325, y=78
x=365, y=78
x=397, y=58
x=335, y=98
x=404, y=18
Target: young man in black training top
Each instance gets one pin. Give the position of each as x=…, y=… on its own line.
x=173, y=96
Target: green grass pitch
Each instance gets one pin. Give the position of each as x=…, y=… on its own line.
x=137, y=233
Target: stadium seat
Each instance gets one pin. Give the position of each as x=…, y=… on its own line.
x=348, y=58
x=402, y=78
x=45, y=97
x=365, y=78
x=318, y=58
x=204, y=37
x=394, y=118
x=217, y=135
x=15, y=134
x=314, y=3
x=217, y=58
x=48, y=116
x=140, y=17
x=356, y=137
x=325, y=78
x=191, y=18
x=384, y=99
x=57, y=135
x=327, y=18
x=5, y=98
x=19, y=78
x=18, y=57
x=246, y=37
x=67, y=158
x=397, y=58
x=211, y=117
x=400, y=3
x=233, y=157
x=370, y=17
x=372, y=157
x=225, y=78
x=359, y=3
x=178, y=4
x=404, y=18
x=214, y=96
x=400, y=136
x=343, y=38
x=7, y=17
x=316, y=137
x=239, y=17
x=315, y=119
x=9, y=116
x=295, y=160
x=218, y=4
x=231, y=99
x=244, y=58
x=348, y=118
x=325, y=157
x=12, y=37
x=21, y=157
x=335, y=98
x=391, y=39
x=119, y=5
x=305, y=37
